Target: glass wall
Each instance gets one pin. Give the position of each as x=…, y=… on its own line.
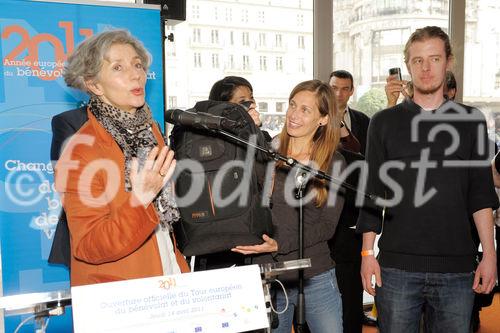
x=369, y=38
x=269, y=42
x=481, y=86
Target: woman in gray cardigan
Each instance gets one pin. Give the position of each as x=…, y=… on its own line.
x=311, y=136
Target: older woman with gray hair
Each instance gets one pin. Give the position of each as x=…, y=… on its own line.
x=114, y=173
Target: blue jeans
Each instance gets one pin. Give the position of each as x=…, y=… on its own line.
x=445, y=298
x=323, y=307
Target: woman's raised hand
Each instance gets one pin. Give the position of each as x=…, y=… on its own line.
x=157, y=170
x=252, y=111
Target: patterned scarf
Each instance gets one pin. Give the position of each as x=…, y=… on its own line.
x=134, y=134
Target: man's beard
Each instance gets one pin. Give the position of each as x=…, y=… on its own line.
x=429, y=91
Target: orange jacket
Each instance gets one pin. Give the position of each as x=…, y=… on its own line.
x=111, y=237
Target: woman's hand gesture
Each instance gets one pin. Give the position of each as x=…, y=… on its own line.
x=157, y=170
x=269, y=245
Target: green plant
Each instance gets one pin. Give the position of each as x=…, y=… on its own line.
x=372, y=101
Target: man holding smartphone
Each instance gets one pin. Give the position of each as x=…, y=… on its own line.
x=427, y=255
x=395, y=86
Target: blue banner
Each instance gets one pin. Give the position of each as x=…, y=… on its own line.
x=36, y=39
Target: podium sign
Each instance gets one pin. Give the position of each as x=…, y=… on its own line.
x=222, y=300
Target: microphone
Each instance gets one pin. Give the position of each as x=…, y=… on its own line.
x=200, y=120
x=302, y=177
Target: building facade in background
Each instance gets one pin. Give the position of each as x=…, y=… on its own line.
x=269, y=42
x=369, y=38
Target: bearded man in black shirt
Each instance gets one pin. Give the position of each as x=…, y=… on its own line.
x=427, y=157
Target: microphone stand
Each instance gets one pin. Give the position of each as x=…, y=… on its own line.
x=300, y=310
x=301, y=181
x=294, y=163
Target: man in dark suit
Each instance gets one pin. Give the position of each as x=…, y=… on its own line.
x=64, y=125
x=345, y=246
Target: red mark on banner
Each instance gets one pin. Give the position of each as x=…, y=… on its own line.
x=167, y=283
x=52, y=69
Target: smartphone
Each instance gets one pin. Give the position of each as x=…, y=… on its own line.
x=246, y=104
x=396, y=71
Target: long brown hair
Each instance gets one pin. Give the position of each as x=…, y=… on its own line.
x=326, y=138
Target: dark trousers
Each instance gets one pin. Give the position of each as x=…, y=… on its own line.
x=446, y=297
x=351, y=290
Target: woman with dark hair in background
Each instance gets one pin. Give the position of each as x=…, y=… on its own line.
x=238, y=90
x=310, y=135
x=450, y=86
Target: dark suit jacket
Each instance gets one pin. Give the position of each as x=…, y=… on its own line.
x=345, y=246
x=64, y=125
x=359, y=127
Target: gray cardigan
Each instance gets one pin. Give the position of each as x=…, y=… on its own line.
x=319, y=224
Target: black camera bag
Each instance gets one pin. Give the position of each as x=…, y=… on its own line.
x=206, y=226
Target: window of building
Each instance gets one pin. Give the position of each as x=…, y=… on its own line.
x=278, y=41
x=172, y=102
x=197, y=59
x=301, y=65
x=262, y=39
x=245, y=39
x=231, y=64
x=195, y=12
x=215, y=36
x=279, y=64
x=246, y=63
x=387, y=51
x=196, y=35
x=229, y=14
x=231, y=37
x=170, y=49
x=261, y=16
x=215, y=60
x=391, y=37
x=300, y=42
x=263, y=63
x=280, y=107
x=216, y=13
x=300, y=20
x=262, y=106
x=244, y=15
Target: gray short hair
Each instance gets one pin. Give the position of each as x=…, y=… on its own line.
x=85, y=62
